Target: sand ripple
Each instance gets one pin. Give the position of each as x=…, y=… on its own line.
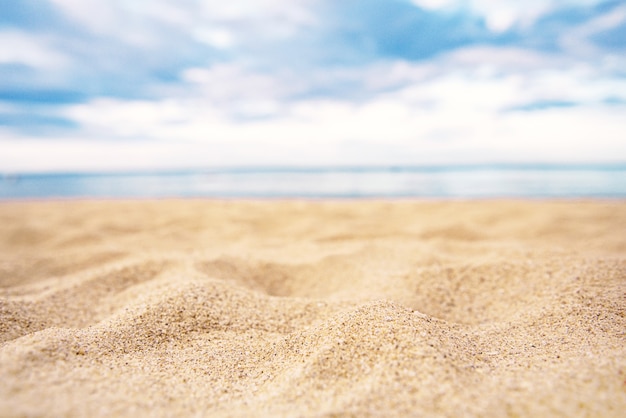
x=185, y=308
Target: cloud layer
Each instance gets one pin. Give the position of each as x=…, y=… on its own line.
x=91, y=85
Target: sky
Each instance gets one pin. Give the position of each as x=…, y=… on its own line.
x=105, y=85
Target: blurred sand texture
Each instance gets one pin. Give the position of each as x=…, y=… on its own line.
x=313, y=308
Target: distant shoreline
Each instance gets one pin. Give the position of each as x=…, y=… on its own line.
x=348, y=168
x=536, y=180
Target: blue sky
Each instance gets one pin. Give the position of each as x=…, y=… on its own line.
x=162, y=84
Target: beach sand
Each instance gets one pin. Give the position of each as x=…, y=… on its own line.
x=313, y=308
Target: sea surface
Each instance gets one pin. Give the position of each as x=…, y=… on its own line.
x=475, y=181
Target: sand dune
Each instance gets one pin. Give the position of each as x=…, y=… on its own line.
x=295, y=308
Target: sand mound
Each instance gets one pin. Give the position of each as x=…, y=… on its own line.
x=185, y=308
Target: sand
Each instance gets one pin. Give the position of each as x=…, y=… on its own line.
x=313, y=308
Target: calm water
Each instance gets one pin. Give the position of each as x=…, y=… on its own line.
x=535, y=181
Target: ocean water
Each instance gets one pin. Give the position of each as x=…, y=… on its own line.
x=479, y=181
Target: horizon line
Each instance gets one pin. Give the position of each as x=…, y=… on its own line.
x=331, y=168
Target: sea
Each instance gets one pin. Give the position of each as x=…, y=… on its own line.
x=441, y=181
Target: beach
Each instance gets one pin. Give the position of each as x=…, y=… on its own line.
x=313, y=308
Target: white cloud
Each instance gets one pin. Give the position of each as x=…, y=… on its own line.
x=142, y=23
x=506, y=60
x=97, y=15
x=451, y=116
x=379, y=132
x=296, y=13
x=240, y=91
x=18, y=47
x=227, y=82
x=122, y=119
x=218, y=38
